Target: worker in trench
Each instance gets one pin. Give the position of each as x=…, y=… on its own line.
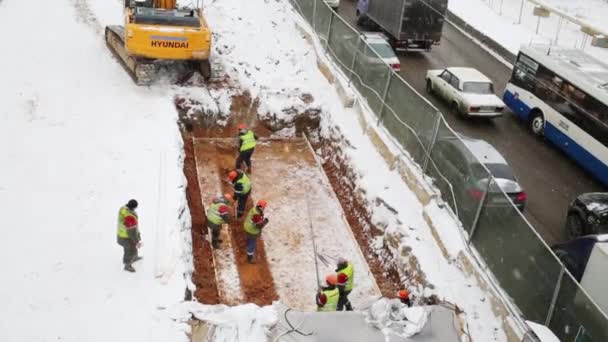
x=218, y=213
x=127, y=234
x=242, y=189
x=254, y=222
x=247, y=143
x=345, y=277
x=328, y=296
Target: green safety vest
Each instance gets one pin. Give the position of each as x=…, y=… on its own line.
x=332, y=300
x=247, y=141
x=122, y=229
x=244, y=180
x=349, y=270
x=213, y=214
x=249, y=226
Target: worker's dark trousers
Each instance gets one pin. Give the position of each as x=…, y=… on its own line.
x=242, y=203
x=244, y=156
x=251, y=244
x=343, y=301
x=129, y=250
x=215, y=233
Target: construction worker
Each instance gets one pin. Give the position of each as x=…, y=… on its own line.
x=345, y=277
x=254, y=222
x=404, y=297
x=128, y=235
x=218, y=213
x=242, y=189
x=247, y=142
x=327, y=298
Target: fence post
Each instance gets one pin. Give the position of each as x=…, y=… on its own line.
x=521, y=11
x=559, y=27
x=558, y=286
x=427, y=156
x=352, y=64
x=331, y=21
x=479, y=208
x=384, y=94
x=314, y=15
x=500, y=9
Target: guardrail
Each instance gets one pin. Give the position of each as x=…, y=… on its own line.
x=522, y=263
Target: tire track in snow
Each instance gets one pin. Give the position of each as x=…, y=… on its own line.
x=85, y=15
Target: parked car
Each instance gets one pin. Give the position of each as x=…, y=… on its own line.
x=453, y=157
x=379, y=43
x=468, y=91
x=334, y=4
x=587, y=214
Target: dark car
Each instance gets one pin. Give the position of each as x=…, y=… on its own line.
x=574, y=254
x=588, y=214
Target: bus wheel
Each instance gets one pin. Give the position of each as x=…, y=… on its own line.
x=537, y=124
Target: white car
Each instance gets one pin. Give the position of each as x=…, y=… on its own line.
x=379, y=43
x=334, y=4
x=468, y=91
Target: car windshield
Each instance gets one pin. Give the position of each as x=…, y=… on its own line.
x=478, y=88
x=501, y=171
x=384, y=50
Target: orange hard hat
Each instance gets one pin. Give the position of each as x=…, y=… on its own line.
x=241, y=126
x=262, y=203
x=403, y=294
x=331, y=279
x=228, y=197
x=232, y=175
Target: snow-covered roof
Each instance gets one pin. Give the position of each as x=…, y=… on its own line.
x=579, y=68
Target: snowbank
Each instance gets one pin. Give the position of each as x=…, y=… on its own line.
x=77, y=140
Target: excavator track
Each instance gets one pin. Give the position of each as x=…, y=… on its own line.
x=142, y=72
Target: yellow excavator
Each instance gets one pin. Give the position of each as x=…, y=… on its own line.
x=155, y=30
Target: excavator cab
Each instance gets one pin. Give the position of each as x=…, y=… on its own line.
x=154, y=31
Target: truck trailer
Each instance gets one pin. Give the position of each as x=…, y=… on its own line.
x=411, y=25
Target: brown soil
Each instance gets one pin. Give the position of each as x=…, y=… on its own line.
x=204, y=274
x=358, y=215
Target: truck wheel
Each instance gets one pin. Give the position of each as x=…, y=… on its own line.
x=454, y=107
x=575, y=226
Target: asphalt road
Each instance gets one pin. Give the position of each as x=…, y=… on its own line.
x=549, y=177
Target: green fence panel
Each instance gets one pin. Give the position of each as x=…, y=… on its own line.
x=462, y=170
x=575, y=317
x=524, y=266
x=322, y=21
x=343, y=42
x=371, y=76
x=305, y=7
x=412, y=111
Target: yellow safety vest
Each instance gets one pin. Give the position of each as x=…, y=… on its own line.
x=332, y=300
x=213, y=214
x=249, y=226
x=247, y=141
x=122, y=229
x=244, y=180
x=349, y=270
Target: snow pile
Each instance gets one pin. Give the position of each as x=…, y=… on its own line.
x=260, y=48
x=242, y=323
x=213, y=104
x=499, y=20
x=395, y=318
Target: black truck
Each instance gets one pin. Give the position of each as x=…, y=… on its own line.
x=411, y=25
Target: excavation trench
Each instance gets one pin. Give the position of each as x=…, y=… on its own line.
x=256, y=280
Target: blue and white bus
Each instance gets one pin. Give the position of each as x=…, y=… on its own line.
x=563, y=94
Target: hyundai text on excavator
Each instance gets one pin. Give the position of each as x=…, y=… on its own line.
x=156, y=31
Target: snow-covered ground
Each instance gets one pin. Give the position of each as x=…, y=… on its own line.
x=78, y=139
x=499, y=19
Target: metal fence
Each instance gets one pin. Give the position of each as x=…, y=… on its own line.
x=519, y=259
